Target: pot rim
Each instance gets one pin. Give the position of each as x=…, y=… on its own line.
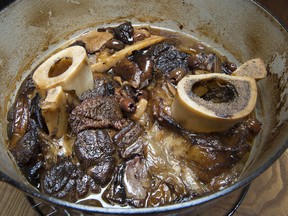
x=150, y=210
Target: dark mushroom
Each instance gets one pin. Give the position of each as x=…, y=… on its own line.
x=176, y=75
x=146, y=66
x=129, y=71
x=193, y=62
x=124, y=32
x=21, y=120
x=115, y=44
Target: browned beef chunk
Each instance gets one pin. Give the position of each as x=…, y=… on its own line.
x=128, y=142
x=95, y=150
x=27, y=148
x=137, y=181
x=102, y=172
x=84, y=184
x=66, y=180
x=99, y=112
x=92, y=146
x=59, y=180
x=124, y=32
x=103, y=86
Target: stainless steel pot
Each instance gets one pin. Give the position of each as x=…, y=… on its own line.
x=240, y=30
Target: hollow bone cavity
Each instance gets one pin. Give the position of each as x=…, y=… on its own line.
x=67, y=70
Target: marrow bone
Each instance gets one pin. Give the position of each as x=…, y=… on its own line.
x=194, y=107
x=253, y=68
x=215, y=102
x=74, y=74
x=67, y=70
x=54, y=111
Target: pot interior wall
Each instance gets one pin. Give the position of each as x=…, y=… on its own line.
x=239, y=30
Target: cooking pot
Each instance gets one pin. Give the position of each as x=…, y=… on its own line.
x=241, y=30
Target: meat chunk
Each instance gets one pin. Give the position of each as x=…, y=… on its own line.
x=128, y=142
x=130, y=184
x=136, y=180
x=167, y=58
x=84, y=184
x=103, y=86
x=27, y=148
x=58, y=177
x=208, y=62
x=99, y=112
x=95, y=150
x=171, y=60
x=102, y=172
x=92, y=146
x=115, y=192
x=66, y=180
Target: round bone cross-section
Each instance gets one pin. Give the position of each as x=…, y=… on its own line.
x=194, y=107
